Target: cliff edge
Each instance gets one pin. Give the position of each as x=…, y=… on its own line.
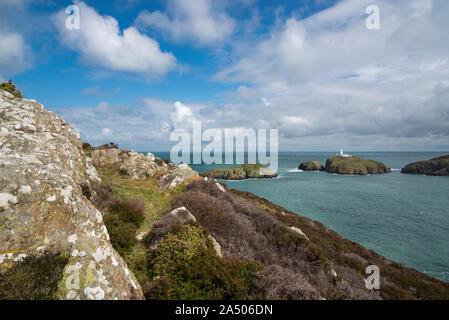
x=43, y=211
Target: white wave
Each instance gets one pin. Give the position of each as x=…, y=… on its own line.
x=395, y=169
x=295, y=170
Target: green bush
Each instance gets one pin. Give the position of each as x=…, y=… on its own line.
x=122, y=233
x=185, y=266
x=11, y=88
x=130, y=211
x=34, y=278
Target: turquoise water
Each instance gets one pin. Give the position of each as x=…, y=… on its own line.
x=402, y=217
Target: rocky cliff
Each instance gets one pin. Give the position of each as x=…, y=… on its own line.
x=43, y=171
x=434, y=167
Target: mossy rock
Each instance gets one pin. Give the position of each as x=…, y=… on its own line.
x=246, y=171
x=311, y=166
x=433, y=167
x=355, y=165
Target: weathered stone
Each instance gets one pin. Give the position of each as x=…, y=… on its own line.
x=299, y=231
x=178, y=175
x=136, y=165
x=104, y=157
x=42, y=208
x=217, y=246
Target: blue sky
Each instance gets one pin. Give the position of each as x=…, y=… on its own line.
x=136, y=69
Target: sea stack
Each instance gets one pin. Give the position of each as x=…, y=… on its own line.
x=311, y=166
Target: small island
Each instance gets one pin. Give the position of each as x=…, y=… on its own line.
x=355, y=165
x=246, y=171
x=311, y=166
x=434, y=167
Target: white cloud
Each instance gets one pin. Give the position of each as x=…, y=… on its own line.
x=145, y=126
x=106, y=132
x=181, y=115
x=266, y=102
x=189, y=20
x=100, y=42
x=330, y=83
x=15, y=54
x=333, y=81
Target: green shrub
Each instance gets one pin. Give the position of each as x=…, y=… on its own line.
x=122, y=233
x=33, y=278
x=185, y=266
x=11, y=88
x=130, y=211
x=86, y=146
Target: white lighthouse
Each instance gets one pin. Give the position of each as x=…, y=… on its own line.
x=342, y=154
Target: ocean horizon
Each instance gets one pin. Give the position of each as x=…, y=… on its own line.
x=402, y=217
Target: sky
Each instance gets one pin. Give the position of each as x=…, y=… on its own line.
x=136, y=70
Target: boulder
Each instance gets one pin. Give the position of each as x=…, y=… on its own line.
x=42, y=206
x=107, y=156
x=354, y=165
x=433, y=167
x=177, y=175
x=137, y=166
x=311, y=166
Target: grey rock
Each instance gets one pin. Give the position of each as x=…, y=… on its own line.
x=42, y=208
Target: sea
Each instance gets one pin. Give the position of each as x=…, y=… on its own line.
x=400, y=216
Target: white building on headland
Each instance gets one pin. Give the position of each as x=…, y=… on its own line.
x=341, y=154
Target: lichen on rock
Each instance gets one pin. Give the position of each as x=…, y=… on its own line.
x=42, y=206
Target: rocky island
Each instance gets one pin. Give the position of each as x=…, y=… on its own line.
x=311, y=166
x=86, y=223
x=355, y=165
x=434, y=167
x=246, y=171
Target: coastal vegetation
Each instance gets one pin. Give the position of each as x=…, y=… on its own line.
x=246, y=171
x=33, y=278
x=11, y=88
x=355, y=165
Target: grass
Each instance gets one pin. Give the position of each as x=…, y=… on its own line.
x=155, y=203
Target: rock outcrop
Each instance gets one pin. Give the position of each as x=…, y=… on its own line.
x=433, y=167
x=133, y=165
x=43, y=171
x=311, y=166
x=246, y=171
x=354, y=165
